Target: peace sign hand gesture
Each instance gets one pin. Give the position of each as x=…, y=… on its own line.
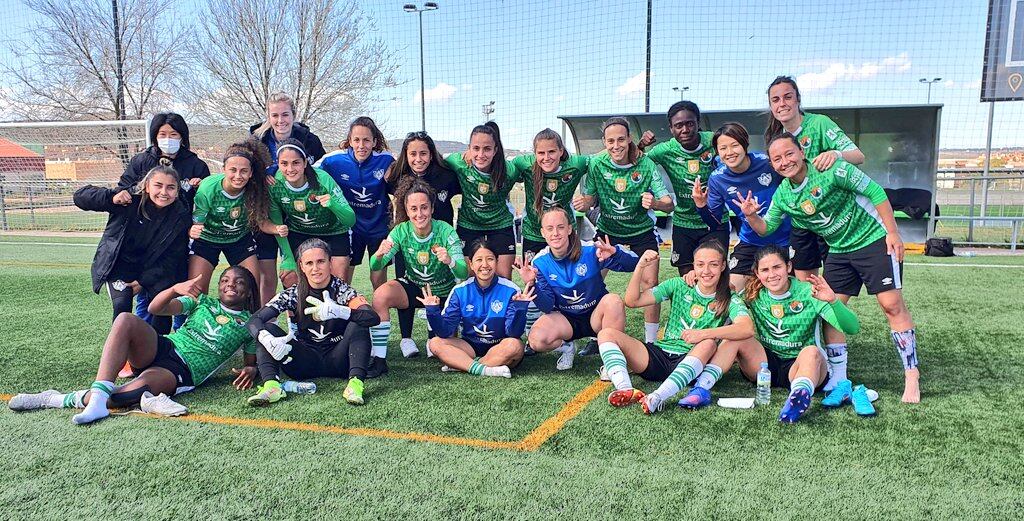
x=699, y=196
x=526, y=272
x=821, y=290
x=428, y=298
x=748, y=205
x=527, y=295
x=605, y=250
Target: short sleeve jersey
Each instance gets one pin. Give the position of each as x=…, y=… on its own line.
x=300, y=210
x=789, y=322
x=483, y=206
x=210, y=336
x=311, y=331
x=557, y=189
x=833, y=204
x=223, y=217
x=422, y=266
x=818, y=133
x=690, y=309
x=618, y=190
x=683, y=168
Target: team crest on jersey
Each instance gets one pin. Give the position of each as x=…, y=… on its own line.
x=581, y=270
x=808, y=207
x=765, y=179
x=236, y=212
x=778, y=311
x=552, y=185
x=483, y=188
x=423, y=257
x=796, y=306
x=696, y=311
x=497, y=306
x=707, y=156
x=675, y=257
x=566, y=177
x=805, y=141
x=693, y=166
x=442, y=195
x=636, y=176
x=816, y=193
x=222, y=319
x=378, y=174
x=620, y=184
x=299, y=205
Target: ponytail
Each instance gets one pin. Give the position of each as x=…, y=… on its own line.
x=754, y=285
x=775, y=126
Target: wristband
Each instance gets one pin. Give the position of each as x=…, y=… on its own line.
x=839, y=155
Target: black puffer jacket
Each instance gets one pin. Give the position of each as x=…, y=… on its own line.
x=165, y=260
x=185, y=162
x=310, y=141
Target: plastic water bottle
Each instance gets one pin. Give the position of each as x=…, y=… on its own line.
x=291, y=386
x=764, y=385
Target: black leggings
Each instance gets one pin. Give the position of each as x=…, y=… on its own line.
x=346, y=359
x=405, y=316
x=123, y=303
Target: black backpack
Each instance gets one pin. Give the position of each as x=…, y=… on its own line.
x=939, y=247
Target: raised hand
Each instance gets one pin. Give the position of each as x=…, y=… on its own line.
x=649, y=257
x=826, y=159
x=442, y=254
x=189, y=288
x=647, y=139
x=820, y=289
x=527, y=295
x=604, y=249
x=384, y=248
x=324, y=200
x=748, y=205
x=526, y=272
x=428, y=298
x=647, y=200
x=699, y=195
x=195, y=230
x=326, y=309
x=122, y=198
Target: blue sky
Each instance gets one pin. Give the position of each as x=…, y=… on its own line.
x=540, y=58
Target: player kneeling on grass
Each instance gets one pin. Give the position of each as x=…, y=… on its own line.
x=166, y=365
x=697, y=320
x=492, y=313
x=333, y=336
x=570, y=291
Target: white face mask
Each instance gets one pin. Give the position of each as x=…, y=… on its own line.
x=169, y=146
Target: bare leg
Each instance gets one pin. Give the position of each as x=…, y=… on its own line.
x=902, y=325
x=549, y=332
x=265, y=272
x=200, y=266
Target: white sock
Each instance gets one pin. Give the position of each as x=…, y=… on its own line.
x=499, y=371
x=836, y=363
x=683, y=374
x=650, y=331
x=709, y=376
x=379, y=339
x=96, y=409
x=801, y=383
x=615, y=365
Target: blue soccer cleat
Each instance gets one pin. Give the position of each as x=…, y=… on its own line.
x=797, y=404
x=697, y=398
x=861, y=402
x=839, y=396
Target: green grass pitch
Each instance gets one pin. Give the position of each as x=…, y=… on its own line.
x=959, y=454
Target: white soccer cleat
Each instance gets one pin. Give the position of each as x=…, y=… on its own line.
x=602, y=375
x=567, y=357
x=446, y=369
x=161, y=405
x=31, y=402
x=500, y=371
x=409, y=349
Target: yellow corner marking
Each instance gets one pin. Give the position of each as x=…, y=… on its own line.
x=554, y=424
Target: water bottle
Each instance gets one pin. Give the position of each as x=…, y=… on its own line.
x=764, y=385
x=291, y=386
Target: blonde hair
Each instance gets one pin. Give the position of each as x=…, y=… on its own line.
x=140, y=187
x=277, y=97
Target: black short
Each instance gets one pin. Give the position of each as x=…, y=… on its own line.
x=412, y=291
x=686, y=240
x=659, y=364
x=502, y=240
x=338, y=243
x=638, y=244
x=871, y=266
x=361, y=244
x=480, y=349
x=235, y=252
x=266, y=246
x=741, y=260
x=807, y=249
x=531, y=248
x=167, y=358
x=780, y=370
x=580, y=324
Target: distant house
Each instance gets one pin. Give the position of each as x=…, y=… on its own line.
x=18, y=163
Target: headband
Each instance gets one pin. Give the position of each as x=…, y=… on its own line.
x=295, y=147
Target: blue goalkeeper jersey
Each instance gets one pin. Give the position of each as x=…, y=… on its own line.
x=487, y=315
x=724, y=186
x=364, y=187
x=576, y=287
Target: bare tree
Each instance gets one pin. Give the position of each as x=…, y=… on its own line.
x=68, y=71
x=318, y=51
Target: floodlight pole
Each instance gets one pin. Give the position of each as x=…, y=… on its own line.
x=119, y=61
x=412, y=8
x=647, y=70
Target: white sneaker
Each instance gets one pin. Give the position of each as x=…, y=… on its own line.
x=161, y=405
x=446, y=369
x=567, y=358
x=602, y=375
x=29, y=402
x=409, y=349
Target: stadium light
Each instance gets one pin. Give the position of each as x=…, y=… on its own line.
x=929, y=82
x=488, y=110
x=412, y=8
x=681, y=91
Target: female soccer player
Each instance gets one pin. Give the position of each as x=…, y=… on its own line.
x=688, y=158
x=332, y=339
x=171, y=364
x=740, y=172
x=697, y=319
x=570, y=290
x=279, y=126
x=853, y=215
x=145, y=244
x=492, y=313
x=419, y=159
x=627, y=186
x=305, y=202
x=486, y=180
x=433, y=255
x=358, y=168
x=228, y=207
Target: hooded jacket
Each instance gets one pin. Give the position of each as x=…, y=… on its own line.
x=310, y=141
x=185, y=162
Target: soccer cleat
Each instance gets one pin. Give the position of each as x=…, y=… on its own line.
x=268, y=393
x=409, y=349
x=378, y=367
x=697, y=398
x=797, y=404
x=528, y=351
x=652, y=403
x=568, y=356
x=30, y=402
x=624, y=397
x=862, y=402
x=161, y=405
x=839, y=396
x=126, y=371
x=353, y=392
x=590, y=349
x=602, y=374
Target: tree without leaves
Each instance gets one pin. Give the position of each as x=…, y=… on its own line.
x=315, y=50
x=67, y=72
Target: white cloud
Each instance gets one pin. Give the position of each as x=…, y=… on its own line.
x=441, y=92
x=841, y=72
x=559, y=98
x=632, y=87
x=467, y=86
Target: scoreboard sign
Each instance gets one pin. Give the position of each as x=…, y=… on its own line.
x=1002, y=77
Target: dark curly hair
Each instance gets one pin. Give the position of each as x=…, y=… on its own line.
x=257, y=196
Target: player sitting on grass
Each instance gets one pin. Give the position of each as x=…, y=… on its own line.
x=570, y=291
x=492, y=313
x=697, y=320
x=333, y=336
x=166, y=365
